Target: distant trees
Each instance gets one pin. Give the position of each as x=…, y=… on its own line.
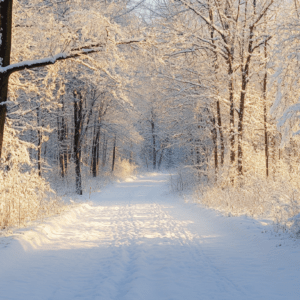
x=218, y=52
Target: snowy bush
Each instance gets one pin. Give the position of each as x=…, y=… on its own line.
x=65, y=186
x=276, y=199
x=24, y=195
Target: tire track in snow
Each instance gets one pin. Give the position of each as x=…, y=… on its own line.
x=204, y=261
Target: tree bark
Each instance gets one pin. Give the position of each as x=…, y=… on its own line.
x=219, y=120
x=215, y=142
x=104, y=151
x=5, y=49
x=265, y=114
x=62, y=134
x=245, y=73
x=93, y=160
x=219, y=117
x=153, y=143
x=95, y=150
x=231, y=118
x=114, y=156
x=39, y=134
x=60, y=151
x=78, y=119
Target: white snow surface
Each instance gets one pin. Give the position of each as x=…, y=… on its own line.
x=137, y=241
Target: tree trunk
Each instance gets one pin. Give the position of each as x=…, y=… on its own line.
x=131, y=154
x=65, y=146
x=114, y=156
x=153, y=144
x=160, y=158
x=231, y=113
x=104, y=151
x=93, y=153
x=78, y=119
x=198, y=154
x=95, y=150
x=5, y=49
x=265, y=114
x=215, y=142
x=245, y=74
x=39, y=134
x=219, y=119
x=60, y=151
x=240, y=126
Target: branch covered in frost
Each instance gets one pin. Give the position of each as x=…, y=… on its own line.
x=30, y=64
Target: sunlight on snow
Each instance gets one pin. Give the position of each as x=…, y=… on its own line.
x=104, y=226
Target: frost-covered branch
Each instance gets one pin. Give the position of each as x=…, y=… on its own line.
x=77, y=52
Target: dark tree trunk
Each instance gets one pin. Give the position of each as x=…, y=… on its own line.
x=95, y=150
x=62, y=140
x=104, y=151
x=272, y=151
x=78, y=119
x=219, y=119
x=5, y=49
x=153, y=144
x=240, y=125
x=39, y=134
x=60, y=153
x=198, y=154
x=231, y=113
x=245, y=80
x=93, y=160
x=215, y=142
x=114, y=155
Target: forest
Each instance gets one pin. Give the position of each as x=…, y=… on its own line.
x=98, y=90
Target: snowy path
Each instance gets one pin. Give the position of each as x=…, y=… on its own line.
x=134, y=241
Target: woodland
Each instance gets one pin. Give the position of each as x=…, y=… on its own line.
x=96, y=90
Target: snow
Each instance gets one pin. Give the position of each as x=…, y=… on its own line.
x=136, y=241
x=24, y=64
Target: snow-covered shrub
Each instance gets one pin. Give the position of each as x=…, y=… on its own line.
x=65, y=186
x=24, y=195
x=274, y=198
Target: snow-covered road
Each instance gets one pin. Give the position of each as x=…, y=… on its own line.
x=135, y=241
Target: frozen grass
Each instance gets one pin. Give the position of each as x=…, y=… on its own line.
x=66, y=186
x=257, y=198
x=24, y=195
x=276, y=198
